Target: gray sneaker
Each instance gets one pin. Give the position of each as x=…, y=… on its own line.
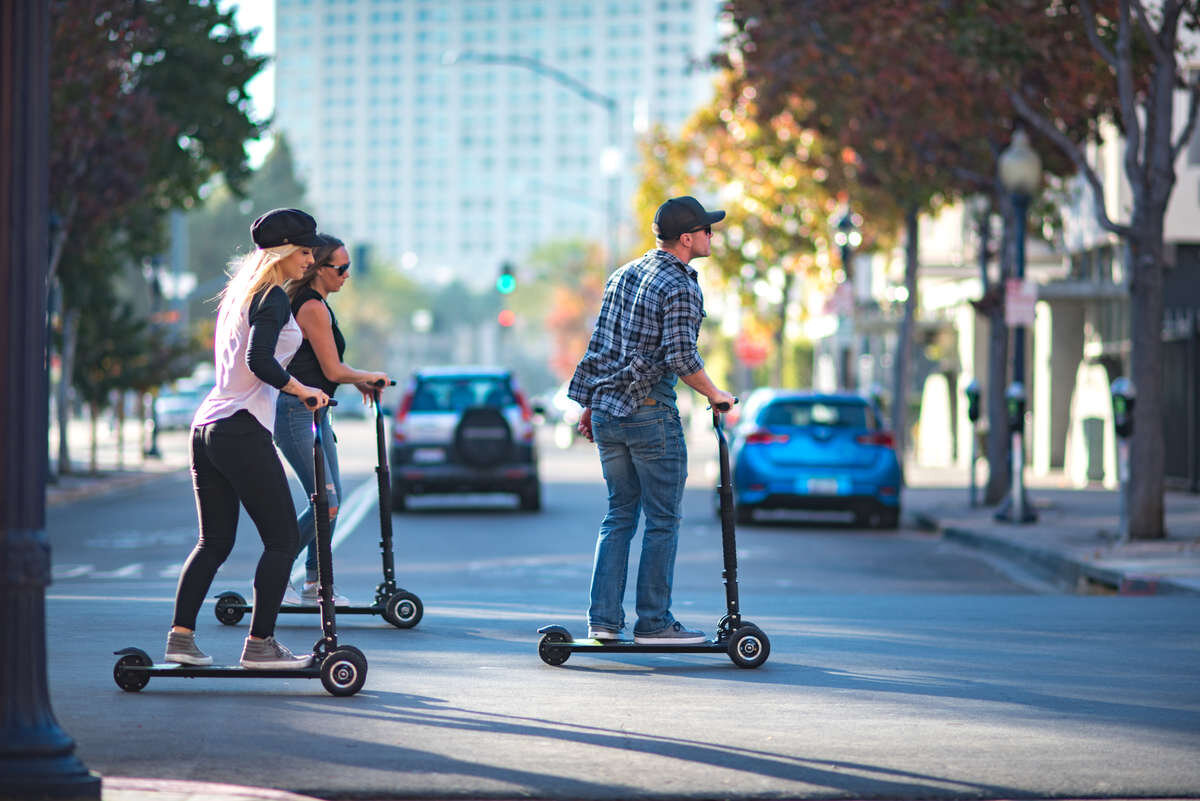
x=182, y=650
x=674, y=634
x=311, y=594
x=270, y=654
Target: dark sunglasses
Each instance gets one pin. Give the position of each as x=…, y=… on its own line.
x=341, y=268
x=706, y=229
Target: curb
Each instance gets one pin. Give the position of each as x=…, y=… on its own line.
x=1075, y=574
x=121, y=788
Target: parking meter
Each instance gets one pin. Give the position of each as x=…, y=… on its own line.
x=1123, y=399
x=1014, y=402
x=972, y=393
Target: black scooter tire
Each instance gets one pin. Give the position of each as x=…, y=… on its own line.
x=131, y=681
x=403, y=609
x=344, y=671
x=749, y=647
x=226, y=610
x=551, y=653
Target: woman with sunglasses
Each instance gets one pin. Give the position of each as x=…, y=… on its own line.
x=319, y=363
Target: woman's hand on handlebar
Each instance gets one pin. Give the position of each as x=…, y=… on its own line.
x=313, y=398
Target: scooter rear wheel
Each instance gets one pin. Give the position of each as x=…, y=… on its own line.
x=128, y=680
x=749, y=647
x=227, y=610
x=551, y=653
x=403, y=610
x=344, y=671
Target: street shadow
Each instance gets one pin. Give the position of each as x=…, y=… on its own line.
x=853, y=779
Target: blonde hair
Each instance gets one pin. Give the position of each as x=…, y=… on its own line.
x=251, y=274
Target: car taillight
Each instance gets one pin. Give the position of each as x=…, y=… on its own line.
x=526, y=410
x=764, y=437
x=401, y=413
x=883, y=438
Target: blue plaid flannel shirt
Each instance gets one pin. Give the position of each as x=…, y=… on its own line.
x=648, y=326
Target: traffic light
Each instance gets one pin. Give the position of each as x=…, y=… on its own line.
x=506, y=282
x=506, y=318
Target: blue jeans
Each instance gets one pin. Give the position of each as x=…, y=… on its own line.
x=294, y=436
x=644, y=458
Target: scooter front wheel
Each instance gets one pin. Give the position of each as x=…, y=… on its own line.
x=344, y=671
x=228, y=609
x=403, y=610
x=749, y=647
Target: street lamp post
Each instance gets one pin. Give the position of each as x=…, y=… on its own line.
x=37, y=758
x=847, y=237
x=609, y=104
x=1021, y=175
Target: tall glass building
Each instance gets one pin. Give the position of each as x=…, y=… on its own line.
x=452, y=135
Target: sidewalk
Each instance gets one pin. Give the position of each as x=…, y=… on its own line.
x=114, y=470
x=1074, y=541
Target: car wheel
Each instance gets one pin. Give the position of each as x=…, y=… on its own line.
x=889, y=518
x=399, y=499
x=531, y=498
x=743, y=513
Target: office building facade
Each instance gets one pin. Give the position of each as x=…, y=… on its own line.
x=446, y=165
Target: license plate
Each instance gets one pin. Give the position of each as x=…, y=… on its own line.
x=822, y=486
x=427, y=455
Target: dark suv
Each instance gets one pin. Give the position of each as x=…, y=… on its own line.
x=464, y=429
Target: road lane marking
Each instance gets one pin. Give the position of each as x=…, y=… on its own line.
x=70, y=571
x=354, y=509
x=126, y=572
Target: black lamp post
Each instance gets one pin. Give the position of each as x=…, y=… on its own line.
x=1021, y=175
x=847, y=237
x=37, y=758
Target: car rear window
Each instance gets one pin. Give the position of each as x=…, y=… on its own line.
x=817, y=413
x=462, y=392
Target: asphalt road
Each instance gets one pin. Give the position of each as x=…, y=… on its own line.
x=901, y=666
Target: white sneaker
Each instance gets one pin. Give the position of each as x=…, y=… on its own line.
x=291, y=597
x=310, y=596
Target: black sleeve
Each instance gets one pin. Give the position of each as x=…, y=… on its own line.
x=269, y=313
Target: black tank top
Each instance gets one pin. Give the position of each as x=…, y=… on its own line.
x=304, y=365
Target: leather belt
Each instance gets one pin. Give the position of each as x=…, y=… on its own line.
x=648, y=401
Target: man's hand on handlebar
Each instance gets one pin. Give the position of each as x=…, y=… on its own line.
x=721, y=401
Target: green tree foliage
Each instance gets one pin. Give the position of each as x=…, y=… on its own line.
x=148, y=102
x=219, y=227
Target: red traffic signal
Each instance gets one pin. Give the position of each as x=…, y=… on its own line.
x=506, y=318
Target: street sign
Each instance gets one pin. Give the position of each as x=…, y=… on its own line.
x=1020, y=298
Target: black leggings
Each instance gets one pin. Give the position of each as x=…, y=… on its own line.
x=234, y=459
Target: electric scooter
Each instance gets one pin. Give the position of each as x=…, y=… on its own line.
x=342, y=669
x=397, y=606
x=746, y=644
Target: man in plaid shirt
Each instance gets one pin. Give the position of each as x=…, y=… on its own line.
x=645, y=339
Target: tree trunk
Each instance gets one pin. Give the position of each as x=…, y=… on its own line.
x=120, y=418
x=781, y=333
x=905, y=338
x=70, y=330
x=94, y=413
x=1147, y=452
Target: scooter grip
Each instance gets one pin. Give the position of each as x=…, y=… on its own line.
x=381, y=383
x=312, y=402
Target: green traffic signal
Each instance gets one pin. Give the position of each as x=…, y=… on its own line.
x=505, y=284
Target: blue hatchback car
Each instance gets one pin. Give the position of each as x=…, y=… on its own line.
x=794, y=449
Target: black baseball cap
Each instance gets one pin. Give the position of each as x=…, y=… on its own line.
x=681, y=215
x=285, y=227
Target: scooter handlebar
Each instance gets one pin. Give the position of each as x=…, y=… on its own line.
x=312, y=402
x=381, y=384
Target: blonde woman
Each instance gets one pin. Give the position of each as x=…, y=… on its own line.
x=233, y=456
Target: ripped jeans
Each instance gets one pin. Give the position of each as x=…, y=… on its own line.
x=294, y=436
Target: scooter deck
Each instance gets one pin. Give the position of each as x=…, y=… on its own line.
x=629, y=646
x=223, y=671
x=313, y=609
